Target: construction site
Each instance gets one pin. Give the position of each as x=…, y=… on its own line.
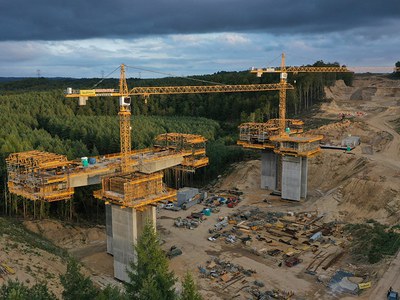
x=269, y=228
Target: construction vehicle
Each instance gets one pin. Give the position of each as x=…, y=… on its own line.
x=232, y=202
x=392, y=295
x=173, y=251
x=214, y=237
x=292, y=261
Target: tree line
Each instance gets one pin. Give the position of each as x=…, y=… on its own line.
x=221, y=107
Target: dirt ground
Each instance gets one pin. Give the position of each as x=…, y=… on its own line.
x=31, y=265
x=364, y=184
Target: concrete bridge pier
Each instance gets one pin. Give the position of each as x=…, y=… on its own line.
x=294, y=177
x=124, y=226
x=269, y=170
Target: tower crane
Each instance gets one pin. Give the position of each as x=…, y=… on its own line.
x=284, y=160
x=124, y=94
x=283, y=70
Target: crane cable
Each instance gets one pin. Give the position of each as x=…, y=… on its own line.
x=107, y=76
x=172, y=75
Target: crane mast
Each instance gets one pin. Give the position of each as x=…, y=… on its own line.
x=124, y=120
x=282, y=97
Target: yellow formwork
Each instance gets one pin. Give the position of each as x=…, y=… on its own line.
x=44, y=176
x=135, y=190
x=259, y=135
x=298, y=145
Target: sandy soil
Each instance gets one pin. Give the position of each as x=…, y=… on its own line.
x=31, y=265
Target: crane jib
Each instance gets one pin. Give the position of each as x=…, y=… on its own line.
x=180, y=90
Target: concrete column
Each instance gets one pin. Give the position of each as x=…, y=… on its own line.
x=269, y=170
x=142, y=216
x=124, y=231
x=291, y=177
x=109, y=229
x=127, y=226
x=304, y=177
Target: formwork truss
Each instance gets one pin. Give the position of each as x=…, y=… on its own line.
x=36, y=175
x=194, y=145
x=298, y=145
x=258, y=135
x=135, y=190
x=48, y=177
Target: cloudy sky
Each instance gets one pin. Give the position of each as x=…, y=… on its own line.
x=88, y=38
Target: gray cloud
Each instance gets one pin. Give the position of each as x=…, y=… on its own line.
x=194, y=53
x=71, y=20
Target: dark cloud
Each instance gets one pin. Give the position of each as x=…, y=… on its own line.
x=77, y=19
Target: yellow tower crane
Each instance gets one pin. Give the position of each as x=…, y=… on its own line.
x=125, y=101
x=282, y=151
x=283, y=70
x=125, y=120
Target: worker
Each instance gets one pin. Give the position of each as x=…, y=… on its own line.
x=388, y=293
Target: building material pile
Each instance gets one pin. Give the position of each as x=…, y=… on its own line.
x=186, y=223
x=224, y=271
x=284, y=238
x=227, y=275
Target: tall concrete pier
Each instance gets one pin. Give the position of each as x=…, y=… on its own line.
x=294, y=177
x=288, y=175
x=269, y=170
x=124, y=226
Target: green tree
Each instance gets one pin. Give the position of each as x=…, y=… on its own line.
x=149, y=290
x=148, y=273
x=189, y=289
x=76, y=285
x=15, y=290
x=40, y=292
x=111, y=293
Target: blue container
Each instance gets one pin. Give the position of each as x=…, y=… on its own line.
x=222, y=200
x=92, y=160
x=207, y=212
x=84, y=161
